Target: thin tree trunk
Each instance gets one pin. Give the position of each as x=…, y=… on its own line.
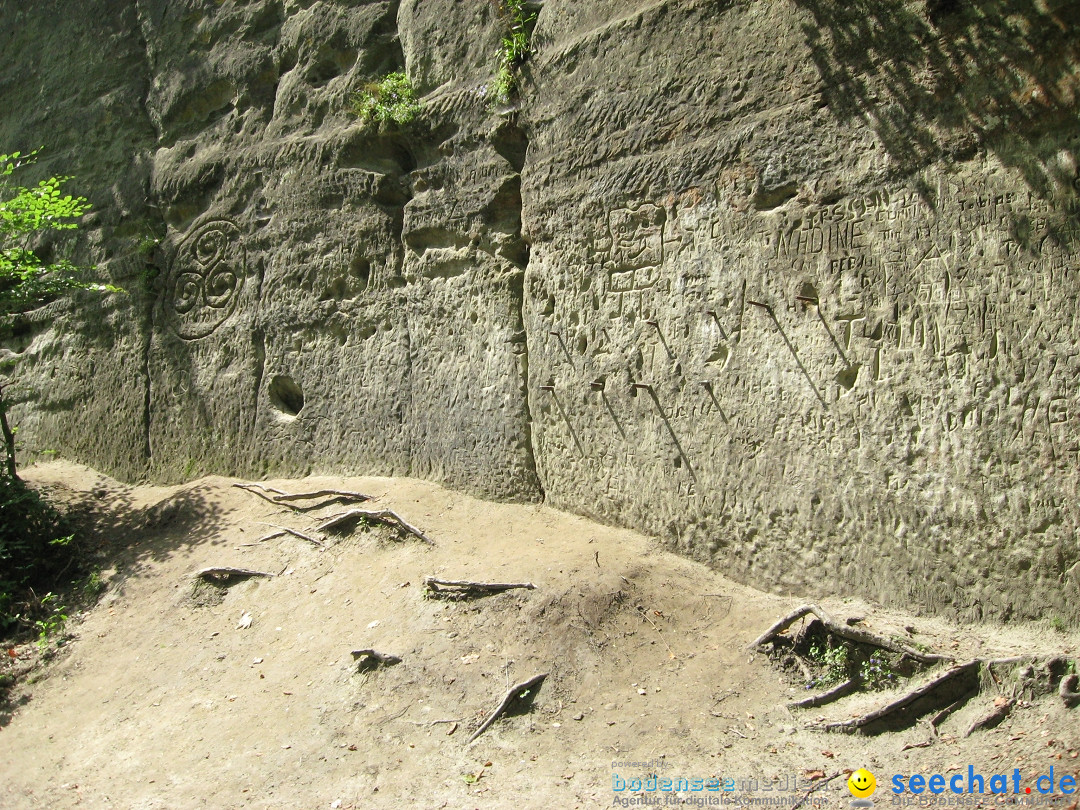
x=9, y=438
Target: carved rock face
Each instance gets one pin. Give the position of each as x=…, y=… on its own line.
x=205, y=280
x=790, y=285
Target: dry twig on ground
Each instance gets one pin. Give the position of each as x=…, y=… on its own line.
x=817, y=786
x=644, y=611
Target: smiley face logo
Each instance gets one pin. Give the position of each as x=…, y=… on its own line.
x=862, y=784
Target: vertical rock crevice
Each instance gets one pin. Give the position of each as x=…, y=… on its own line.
x=152, y=264
x=511, y=142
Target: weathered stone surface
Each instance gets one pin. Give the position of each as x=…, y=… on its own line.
x=790, y=284
x=839, y=262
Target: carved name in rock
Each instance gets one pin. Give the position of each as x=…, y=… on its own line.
x=205, y=279
x=636, y=254
x=785, y=358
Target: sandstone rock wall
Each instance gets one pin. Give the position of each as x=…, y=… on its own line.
x=790, y=283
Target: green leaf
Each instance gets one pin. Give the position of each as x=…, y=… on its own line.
x=26, y=214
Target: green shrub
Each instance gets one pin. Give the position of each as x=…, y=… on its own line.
x=53, y=618
x=392, y=100
x=94, y=586
x=877, y=672
x=36, y=550
x=503, y=85
x=834, y=662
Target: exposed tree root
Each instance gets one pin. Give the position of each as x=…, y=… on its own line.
x=283, y=530
x=282, y=498
x=798, y=661
x=941, y=716
x=261, y=490
x=956, y=686
x=220, y=575
x=516, y=692
x=336, y=494
x=1069, y=692
x=942, y=695
x=905, y=710
x=1002, y=707
x=463, y=586
x=843, y=630
x=837, y=692
x=387, y=517
x=371, y=659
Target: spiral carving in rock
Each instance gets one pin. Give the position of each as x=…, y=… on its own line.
x=206, y=279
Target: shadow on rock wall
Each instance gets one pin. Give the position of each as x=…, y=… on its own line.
x=947, y=78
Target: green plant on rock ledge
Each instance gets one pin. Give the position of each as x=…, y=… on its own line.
x=515, y=48
x=389, y=101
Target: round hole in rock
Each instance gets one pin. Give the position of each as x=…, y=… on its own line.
x=285, y=395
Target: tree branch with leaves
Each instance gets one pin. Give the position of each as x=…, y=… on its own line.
x=30, y=276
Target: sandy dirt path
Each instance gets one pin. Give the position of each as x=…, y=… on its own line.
x=160, y=699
